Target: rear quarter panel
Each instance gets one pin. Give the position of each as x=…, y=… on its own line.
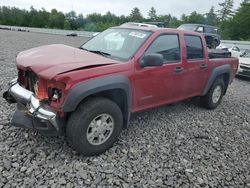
x=233, y=62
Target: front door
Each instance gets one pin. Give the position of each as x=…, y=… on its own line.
x=155, y=86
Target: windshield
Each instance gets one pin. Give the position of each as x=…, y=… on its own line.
x=188, y=27
x=117, y=43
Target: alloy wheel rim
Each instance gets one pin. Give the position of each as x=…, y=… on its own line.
x=217, y=94
x=100, y=129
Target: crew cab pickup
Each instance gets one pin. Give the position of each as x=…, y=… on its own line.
x=89, y=93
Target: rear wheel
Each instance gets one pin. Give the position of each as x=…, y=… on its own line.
x=214, y=96
x=94, y=126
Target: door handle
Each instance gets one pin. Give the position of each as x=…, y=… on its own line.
x=203, y=66
x=178, y=69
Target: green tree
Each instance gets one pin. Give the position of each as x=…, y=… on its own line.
x=238, y=27
x=95, y=17
x=33, y=17
x=211, y=17
x=94, y=22
x=166, y=19
x=152, y=14
x=123, y=19
x=226, y=10
x=194, y=17
x=71, y=17
x=56, y=19
x=81, y=21
x=43, y=18
x=184, y=18
x=66, y=25
x=174, y=22
x=135, y=15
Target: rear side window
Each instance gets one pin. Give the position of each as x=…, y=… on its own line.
x=210, y=30
x=194, y=47
x=200, y=29
x=168, y=46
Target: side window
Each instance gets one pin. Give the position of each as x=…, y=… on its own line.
x=168, y=46
x=210, y=30
x=200, y=29
x=235, y=48
x=194, y=47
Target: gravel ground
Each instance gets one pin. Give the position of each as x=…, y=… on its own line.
x=181, y=145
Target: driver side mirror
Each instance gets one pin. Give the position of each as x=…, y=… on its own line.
x=152, y=60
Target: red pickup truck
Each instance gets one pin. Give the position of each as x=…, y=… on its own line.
x=89, y=92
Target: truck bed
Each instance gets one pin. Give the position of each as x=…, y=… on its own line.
x=217, y=53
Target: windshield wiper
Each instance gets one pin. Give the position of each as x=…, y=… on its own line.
x=100, y=52
x=83, y=48
x=96, y=51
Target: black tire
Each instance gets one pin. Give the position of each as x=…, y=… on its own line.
x=79, y=121
x=207, y=100
x=214, y=44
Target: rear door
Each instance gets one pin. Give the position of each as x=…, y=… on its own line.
x=195, y=64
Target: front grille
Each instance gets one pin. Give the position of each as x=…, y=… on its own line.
x=245, y=67
x=31, y=80
x=21, y=78
x=246, y=73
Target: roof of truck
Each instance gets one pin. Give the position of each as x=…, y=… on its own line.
x=140, y=28
x=159, y=29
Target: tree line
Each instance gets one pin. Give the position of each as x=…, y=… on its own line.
x=233, y=24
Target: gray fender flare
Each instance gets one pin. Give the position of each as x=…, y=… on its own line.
x=83, y=90
x=218, y=71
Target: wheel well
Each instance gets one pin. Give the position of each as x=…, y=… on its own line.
x=225, y=78
x=118, y=96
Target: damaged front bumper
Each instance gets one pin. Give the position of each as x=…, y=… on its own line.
x=30, y=112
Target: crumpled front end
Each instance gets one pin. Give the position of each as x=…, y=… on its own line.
x=30, y=112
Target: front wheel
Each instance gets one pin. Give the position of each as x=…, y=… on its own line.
x=94, y=126
x=214, y=96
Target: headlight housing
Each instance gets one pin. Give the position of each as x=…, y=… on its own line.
x=55, y=90
x=49, y=89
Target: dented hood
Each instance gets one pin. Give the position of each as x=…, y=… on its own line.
x=51, y=60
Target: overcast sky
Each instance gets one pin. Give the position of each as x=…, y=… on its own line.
x=119, y=7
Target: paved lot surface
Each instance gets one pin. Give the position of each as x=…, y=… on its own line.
x=182, y=145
